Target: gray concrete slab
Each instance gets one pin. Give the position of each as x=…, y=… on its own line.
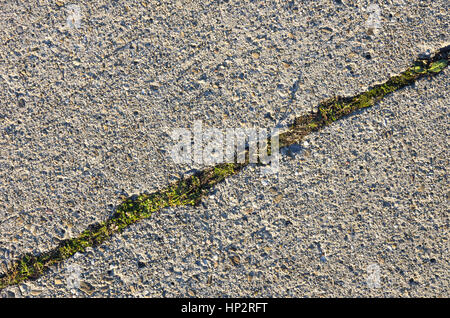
x=85, y=116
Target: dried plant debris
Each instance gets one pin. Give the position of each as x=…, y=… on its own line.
x=190, y=190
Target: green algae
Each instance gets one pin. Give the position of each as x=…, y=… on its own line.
x=190, y=190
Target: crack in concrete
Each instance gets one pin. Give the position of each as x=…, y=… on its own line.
x=190, y=190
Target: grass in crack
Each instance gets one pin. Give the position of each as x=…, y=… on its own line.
x=189, y=191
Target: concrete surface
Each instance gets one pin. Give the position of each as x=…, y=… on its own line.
x=85, y=118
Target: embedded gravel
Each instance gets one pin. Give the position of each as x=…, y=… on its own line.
x=86, y=112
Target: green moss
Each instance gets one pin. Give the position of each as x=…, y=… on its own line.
x=334, y=109
x=438, y=66
x=189, y=191
x=223, y=171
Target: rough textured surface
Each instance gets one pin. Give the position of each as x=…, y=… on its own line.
x=84, y=119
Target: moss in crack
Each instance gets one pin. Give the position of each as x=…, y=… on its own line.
x=187, y=191
x=190, y=190
x=336, y=108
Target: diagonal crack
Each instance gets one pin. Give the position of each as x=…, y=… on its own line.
x=190, y=190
